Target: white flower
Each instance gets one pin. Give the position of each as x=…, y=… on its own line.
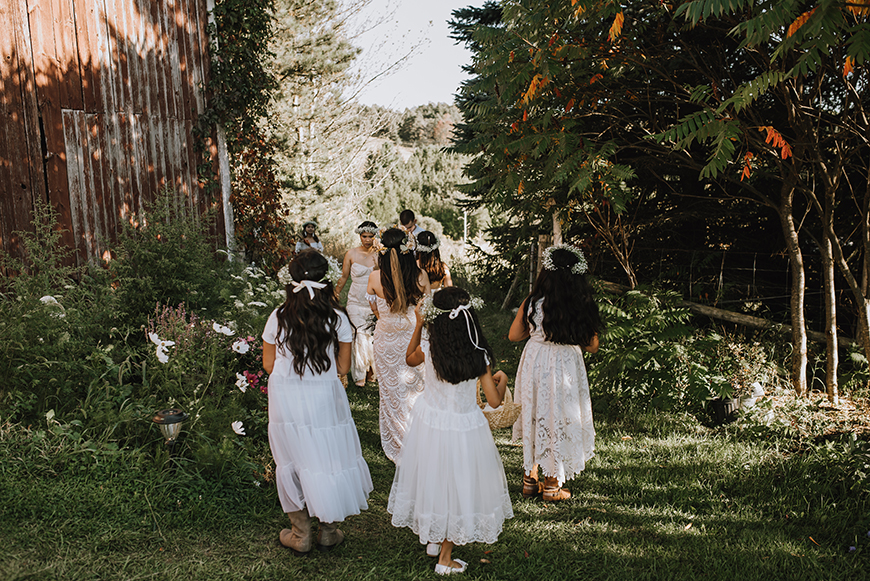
x=154, y=338
x=56, y=308
x=218, y=328
x=162, y=355
x=242, y=382
x=257, y=304
x=241, y=346
x=238, y=428
x=239, y=304
x=49, y=300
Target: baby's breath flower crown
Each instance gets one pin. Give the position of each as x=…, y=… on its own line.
x=367, y=230
x=431, y=312
x=409, y=243
x=432, y=248
x=333, y=273
x=578, y=267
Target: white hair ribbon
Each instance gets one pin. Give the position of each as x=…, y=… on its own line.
x=464, y=310
x=308, y=284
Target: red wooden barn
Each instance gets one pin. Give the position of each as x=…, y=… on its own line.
x=97, y=108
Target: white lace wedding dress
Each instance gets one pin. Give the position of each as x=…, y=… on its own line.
x=358, y=309
x=555, y=424
x=449, y=482
x=399, y=385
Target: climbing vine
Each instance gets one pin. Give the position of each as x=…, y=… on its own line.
x=239, y=90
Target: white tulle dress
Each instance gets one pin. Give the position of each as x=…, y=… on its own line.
x=449, y=482
x=314, y=441
x=399, y=385
x=555, y=424
x=358, y=309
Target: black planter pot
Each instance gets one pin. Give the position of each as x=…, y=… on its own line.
x=724, y=410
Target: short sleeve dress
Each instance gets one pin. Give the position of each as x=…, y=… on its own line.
x=555, y=424
x=314, y=441
x=358, y=308
x=449, y=482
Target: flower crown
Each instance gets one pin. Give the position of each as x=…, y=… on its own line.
x=333, y=273
x=432, y=248
x=409, y=243
x=578, y=267
x=431, y=312
x=366, y=229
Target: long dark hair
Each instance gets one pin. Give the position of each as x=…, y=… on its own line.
x=454, y=356
x=430, y=262
x=395, y=264
x=571, y=314
x=307, y=327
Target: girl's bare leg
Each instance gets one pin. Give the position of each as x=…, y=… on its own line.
x=446, y=556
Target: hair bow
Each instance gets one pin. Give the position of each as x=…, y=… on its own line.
x=470, y=327
x=308, y=284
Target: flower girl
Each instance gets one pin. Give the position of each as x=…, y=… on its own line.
x=319, y=467
x=450, y=486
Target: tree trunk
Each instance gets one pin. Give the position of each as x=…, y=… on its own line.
x=557, y=228
x=798, y=284
x=831, y=338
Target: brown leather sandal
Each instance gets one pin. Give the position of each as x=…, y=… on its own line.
x=531, y=486
x=553, y=492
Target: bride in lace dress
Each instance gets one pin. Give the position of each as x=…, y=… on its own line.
x=358, y=264
x=393, y=291
x=561, y=321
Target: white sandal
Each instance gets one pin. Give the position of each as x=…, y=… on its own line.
x=448, y=570
x=433, y=549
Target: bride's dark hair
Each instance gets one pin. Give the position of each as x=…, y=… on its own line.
x=307, y=327
x=430, y=262
x=454, y=356
x=399, y=272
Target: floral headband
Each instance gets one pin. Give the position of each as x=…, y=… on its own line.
x=409, y=243
x=578, y=267
x=366, y=230
x=433, y=247
x=333, y=273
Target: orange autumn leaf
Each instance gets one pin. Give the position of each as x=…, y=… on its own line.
x=616, y=27
x=569, y=106
x=535, y=86
x=859, y=7
x=511, y=58
x=799, y=21
x=596, y=77
x=525, y=115
x=520, y=188
x=580, y=8
x=747, y=165
x=848, y=66
x=776, y=140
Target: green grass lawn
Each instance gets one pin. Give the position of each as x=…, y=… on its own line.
x=662, y=499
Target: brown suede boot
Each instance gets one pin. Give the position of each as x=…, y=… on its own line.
x=552, y=491
x=329, y=536
x=298, y=539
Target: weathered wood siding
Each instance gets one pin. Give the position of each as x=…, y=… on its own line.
x=99, y=101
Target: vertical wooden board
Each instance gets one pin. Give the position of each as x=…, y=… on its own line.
x=201, y=53
x=85, y=13
x=67, y=53
x=125, y=182
x=75, y=141
x=171, y=36
x=138, y=70
x=147, y=155
x=160, y=68
x=115, y=23
x=96, y=173
x=148, y=58
x=108, y=69
x=157, y=152
x=187, y=40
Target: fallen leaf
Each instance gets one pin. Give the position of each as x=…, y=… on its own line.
x=814, y=540
x=627, y=438
x=484, y=560
x=526, y=554
x=687, y=527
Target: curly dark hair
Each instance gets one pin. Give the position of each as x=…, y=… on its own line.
x=571, y=314
x=306, y=326
x=430, y=262
x=454, y=356
x=395, y=264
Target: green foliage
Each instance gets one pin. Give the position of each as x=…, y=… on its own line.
x=164, y=256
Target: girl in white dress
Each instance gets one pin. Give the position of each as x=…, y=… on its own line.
x=358, y=264
x=429, y=261
x=393, y=291
x=561, y=321
x=450, y=486
x=319, y=467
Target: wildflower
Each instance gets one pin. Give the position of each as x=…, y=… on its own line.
x=852, y=549
x=241, y=382
x=162, y=355
x=56, y=308
x=218, y=328
x=48, y=300
x=239, y=428
x=257, y=304
x=239, y=304
x=241, y=346
x=154, y=338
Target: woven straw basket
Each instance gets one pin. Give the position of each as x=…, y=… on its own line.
x=504, y=415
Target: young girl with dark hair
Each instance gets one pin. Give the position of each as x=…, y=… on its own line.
x=319, y=468
x=429, y=260
x=561, y=321
x=393, y=290
x=449, y=486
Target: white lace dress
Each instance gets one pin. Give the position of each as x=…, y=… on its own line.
x=449, y=482
x=318, y=460
x=399, y=385
x=358, y=309
x=555, y=424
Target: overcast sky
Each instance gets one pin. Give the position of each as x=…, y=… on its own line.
x=433, y=74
